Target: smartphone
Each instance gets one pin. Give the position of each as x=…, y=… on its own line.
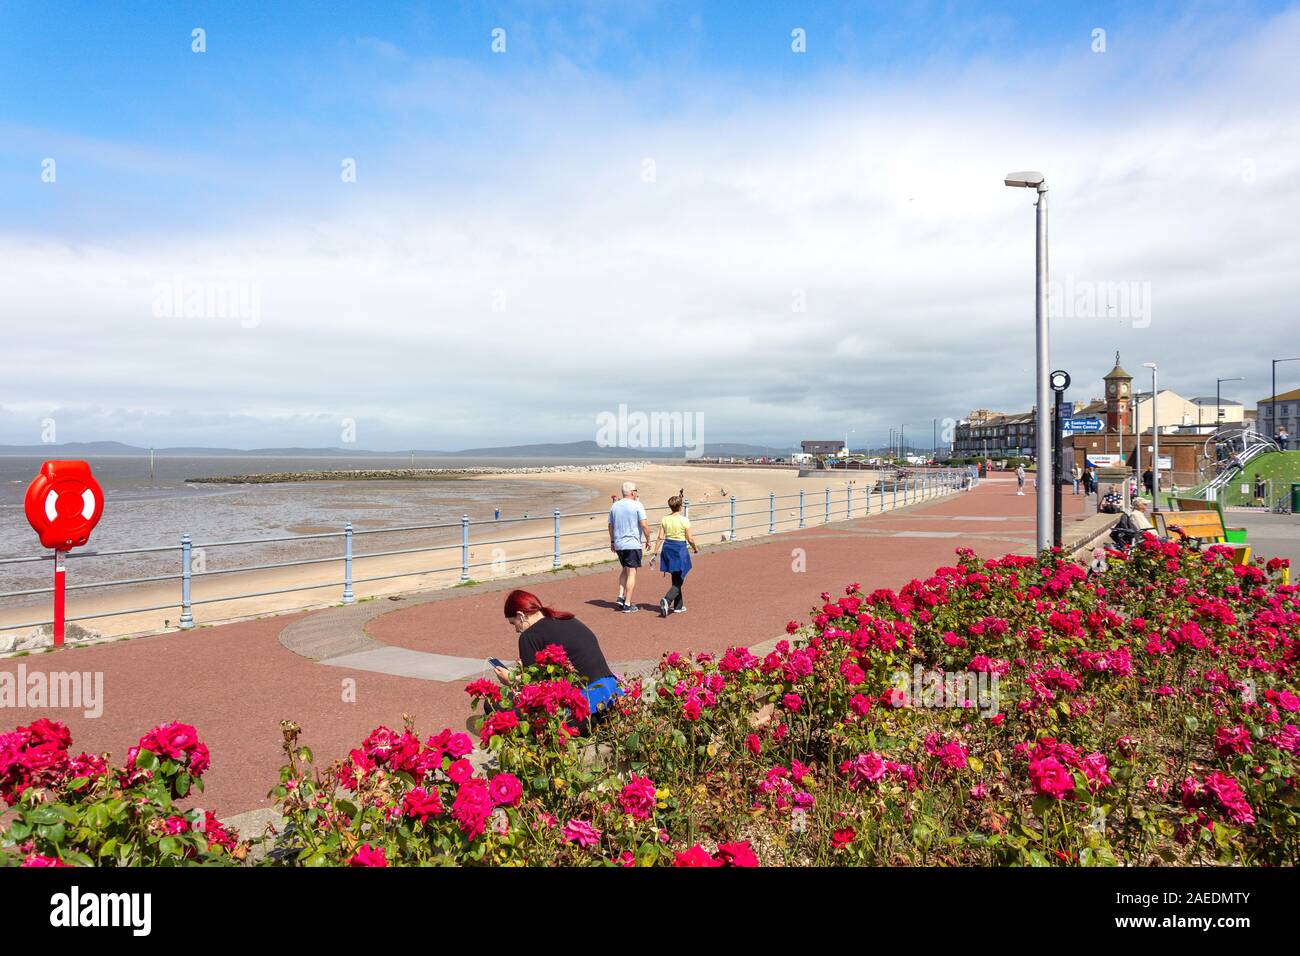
x=496, y=663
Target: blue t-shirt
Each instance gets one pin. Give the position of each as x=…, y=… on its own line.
x=625, y=518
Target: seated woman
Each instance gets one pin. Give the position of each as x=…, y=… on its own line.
x=1132, y=525
x=539, y=626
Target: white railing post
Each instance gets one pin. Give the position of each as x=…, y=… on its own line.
x=732, y=537
x=771, y=512
x=348, y=596
x=801, y=521
x=555, y=536
x=464, y=548
x=187, y=617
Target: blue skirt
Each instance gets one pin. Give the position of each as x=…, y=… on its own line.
x=675, y=556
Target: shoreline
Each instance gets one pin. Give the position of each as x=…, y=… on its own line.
x=410, y=474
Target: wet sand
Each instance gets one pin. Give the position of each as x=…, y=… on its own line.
x=502, y=549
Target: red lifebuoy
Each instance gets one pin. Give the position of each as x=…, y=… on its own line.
x=64, y=503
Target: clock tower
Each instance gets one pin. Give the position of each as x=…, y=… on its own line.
x=1119, y=393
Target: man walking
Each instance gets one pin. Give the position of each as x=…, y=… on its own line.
x=1020, y=480
x=628, y=528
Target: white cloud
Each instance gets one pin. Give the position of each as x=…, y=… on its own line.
x=545, y=280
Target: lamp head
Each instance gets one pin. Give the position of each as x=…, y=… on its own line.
x=1026, y=179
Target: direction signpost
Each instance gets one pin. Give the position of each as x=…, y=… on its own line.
x=1083, y=426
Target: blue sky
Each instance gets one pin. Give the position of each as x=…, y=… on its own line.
x=501, y=232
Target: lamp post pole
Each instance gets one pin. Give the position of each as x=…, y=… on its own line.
x=1137, y=431
x=1218, y=401
x=1043, y=417
x=1272, y=401
x=1155, y=437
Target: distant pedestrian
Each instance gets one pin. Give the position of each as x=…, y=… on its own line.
x=1089, y=481
x=1020, y=480
x=1261, y=490
x=1148, y=480
x=1078, y=478
x=628, y=527
x=1283, y=439
x=674, y=546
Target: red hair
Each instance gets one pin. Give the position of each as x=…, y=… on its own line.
x=528, y=603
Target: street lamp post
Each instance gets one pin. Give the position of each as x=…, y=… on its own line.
x=1272, y=403
x=1137, y=427
x=1218, y=402
x=1155, y=437
x=1035, y=180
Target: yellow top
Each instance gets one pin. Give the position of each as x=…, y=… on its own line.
x=674, y=526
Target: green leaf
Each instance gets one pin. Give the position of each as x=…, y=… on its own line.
x=146, y=760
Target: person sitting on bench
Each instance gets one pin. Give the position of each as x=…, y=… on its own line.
x=1132, y=526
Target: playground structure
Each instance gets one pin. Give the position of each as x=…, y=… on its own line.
x=1225, y=456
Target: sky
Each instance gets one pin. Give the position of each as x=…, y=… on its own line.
x=441, y=225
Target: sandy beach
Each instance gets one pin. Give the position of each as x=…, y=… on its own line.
x=501, y=549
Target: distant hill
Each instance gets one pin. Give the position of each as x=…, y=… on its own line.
x=576, y=449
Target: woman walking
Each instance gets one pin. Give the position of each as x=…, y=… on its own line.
x=674, y=547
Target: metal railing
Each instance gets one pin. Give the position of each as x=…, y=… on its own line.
x=1239, y=446
x=882, y=495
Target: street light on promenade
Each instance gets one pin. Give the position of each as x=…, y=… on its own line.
x=1272, y=403
x=1137, y=426
x=1042, y=423
x=1218, y=407
x=1155, y=437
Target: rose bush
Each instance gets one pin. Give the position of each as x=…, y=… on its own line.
x=1144, y=714
x=77, y=810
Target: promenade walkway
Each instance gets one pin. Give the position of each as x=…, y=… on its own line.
x=340, y=672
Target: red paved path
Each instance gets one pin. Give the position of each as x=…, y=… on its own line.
x=235, y=682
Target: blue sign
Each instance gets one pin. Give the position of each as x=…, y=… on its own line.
x=1067, y=409
x=1085, y=425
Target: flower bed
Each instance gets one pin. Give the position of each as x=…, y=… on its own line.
x=1015, y=711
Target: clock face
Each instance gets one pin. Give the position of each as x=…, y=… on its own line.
x=1111, y=388
x=1123, y=390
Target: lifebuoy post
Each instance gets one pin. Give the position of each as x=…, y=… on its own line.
x=58, y=597
x=63, y=504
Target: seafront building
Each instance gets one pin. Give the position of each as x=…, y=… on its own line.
x=1128, y=416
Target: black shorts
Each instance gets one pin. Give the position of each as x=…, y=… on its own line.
x=630, y=558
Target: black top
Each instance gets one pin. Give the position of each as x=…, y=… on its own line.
x=576, y=639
